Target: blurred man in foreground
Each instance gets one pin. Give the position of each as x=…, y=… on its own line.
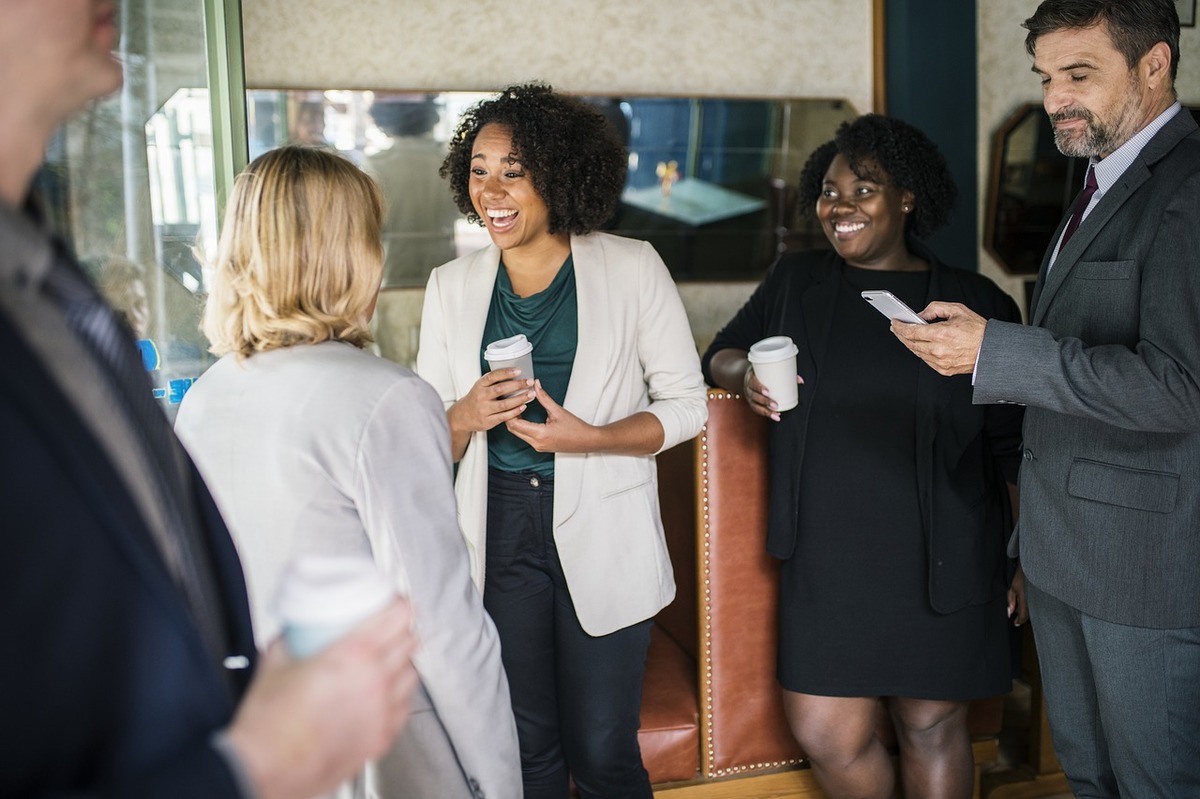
x=126, y=656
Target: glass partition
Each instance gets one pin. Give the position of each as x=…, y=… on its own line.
x=130, y=185
x=710, y=180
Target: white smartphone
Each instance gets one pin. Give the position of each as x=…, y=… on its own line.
x=892, y=306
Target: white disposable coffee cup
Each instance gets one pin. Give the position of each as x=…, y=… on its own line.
x=512, y=351
x=323, y=597
x=774, y=362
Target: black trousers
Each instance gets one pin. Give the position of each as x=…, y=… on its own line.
x=576, y=697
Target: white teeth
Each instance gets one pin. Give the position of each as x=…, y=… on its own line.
x=496, y=213
x=849, y=227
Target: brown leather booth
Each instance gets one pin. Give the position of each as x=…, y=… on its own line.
x=711, y=708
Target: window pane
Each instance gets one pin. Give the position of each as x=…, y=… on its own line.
x=129, y=184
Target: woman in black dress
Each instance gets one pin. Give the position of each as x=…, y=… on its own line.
x=888, y=503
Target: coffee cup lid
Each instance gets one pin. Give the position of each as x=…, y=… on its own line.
x=331, y=589
x=508, y=348
x=774, y=348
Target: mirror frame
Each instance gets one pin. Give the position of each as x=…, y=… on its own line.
x=1066, y=187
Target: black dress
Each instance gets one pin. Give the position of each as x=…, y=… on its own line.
x=854, y=614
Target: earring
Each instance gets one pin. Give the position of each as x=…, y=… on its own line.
x=906, y=208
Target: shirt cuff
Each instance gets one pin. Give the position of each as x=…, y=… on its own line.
x=975, y=368
x=224, y=747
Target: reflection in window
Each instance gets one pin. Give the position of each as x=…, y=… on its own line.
x=709, y=181
x=128, y=184
x=182, y=191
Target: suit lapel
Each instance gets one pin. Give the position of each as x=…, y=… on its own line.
x=1069, y=255
x=1051, y=279
x=818, y=306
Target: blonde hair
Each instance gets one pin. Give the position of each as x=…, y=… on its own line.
x=300, y=258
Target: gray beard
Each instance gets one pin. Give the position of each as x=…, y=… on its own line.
x=1095, y=140
x=1098, y=138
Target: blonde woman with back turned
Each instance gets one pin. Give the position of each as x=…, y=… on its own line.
x=313, y=446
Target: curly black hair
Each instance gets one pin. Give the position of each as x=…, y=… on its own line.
x=567, y=147
x=885, y=149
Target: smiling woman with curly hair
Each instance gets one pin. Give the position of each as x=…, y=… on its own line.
x=888, y=505
x=575, y=161
x=556, y=487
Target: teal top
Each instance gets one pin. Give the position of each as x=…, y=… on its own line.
x=550, y=320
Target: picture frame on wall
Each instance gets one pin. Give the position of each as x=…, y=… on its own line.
x=1187, y=13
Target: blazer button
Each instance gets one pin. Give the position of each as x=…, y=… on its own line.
x=1027, y=454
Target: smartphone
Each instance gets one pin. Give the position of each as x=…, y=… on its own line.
x=892, y=306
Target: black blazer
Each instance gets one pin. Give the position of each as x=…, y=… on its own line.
x=108, y=686
x=965, y=452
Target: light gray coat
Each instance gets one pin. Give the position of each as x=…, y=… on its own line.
x=327, y=449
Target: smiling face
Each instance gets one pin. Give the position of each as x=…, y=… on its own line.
x=503, y=194
x=1095, y=101
x=864, y=218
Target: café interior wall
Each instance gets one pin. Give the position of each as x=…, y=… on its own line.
x=751, y=48
x=729, y=47
x=1006, y=83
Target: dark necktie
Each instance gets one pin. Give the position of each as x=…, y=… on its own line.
x=1081, y=204
x=98, y=328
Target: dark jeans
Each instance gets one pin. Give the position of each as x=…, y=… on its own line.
x=1123, y=702
x=576, y=697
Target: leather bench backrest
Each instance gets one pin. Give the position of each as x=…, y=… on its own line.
x=741, y=717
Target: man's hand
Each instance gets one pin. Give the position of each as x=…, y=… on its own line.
x=951, y=345
x=1018, y=610
x=304, y=726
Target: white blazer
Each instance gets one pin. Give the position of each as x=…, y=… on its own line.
x=635, y=353
x=325, y=448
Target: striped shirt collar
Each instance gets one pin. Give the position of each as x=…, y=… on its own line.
x=1110, y=169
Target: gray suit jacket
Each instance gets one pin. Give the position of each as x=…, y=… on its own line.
x=1110, y=372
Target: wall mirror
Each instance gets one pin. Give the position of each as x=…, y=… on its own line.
x=711, y=180
x=1029, y=189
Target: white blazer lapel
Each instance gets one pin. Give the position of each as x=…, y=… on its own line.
x=478, y=284
x=595, y=333
x=594, y=340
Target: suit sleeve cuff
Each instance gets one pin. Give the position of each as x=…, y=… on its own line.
x=221, y=744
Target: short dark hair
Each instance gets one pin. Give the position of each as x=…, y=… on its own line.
x=1134, y=25
x=567, y=147
x=405, y=117
x=908, y=159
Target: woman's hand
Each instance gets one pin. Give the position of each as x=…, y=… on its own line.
x=734, y=372
x=562, y=431
x=486, y=405
x=640, y=433
x=758, y=397
x=1018, y=611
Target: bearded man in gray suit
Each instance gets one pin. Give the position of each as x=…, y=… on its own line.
x=1110, y=371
